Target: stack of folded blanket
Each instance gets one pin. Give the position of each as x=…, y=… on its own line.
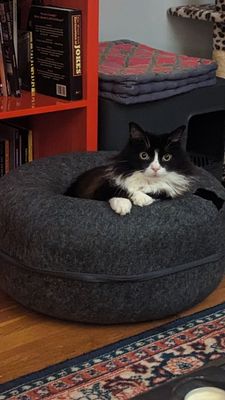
x=131, y=72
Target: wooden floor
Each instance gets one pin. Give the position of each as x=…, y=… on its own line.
x=30, y=341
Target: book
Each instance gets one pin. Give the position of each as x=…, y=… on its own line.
x=32, y=72
x=16, y=146
x=24, y=58
x=13, y=16
x=8, y=50
x=4, y=80
x=21, y=139
x=15, y=27
x=7, y=133
x=7, y=159
x=57, y=50
x=2, y=158
x=23, y=145
x=25, y=47
x=30, y=145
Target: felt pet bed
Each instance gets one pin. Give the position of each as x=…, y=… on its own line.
x=131, y=72
x=76, y=259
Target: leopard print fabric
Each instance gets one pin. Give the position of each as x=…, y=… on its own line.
x=219, y=36
x=220, y=5
x=207, y=12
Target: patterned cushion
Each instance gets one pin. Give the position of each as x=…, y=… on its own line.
x=127, y=58
x=131, y=72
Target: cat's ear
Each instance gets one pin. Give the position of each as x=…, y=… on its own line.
x=136, y=132
x=176, y=135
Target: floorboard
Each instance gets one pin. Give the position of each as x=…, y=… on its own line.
x=30, y=341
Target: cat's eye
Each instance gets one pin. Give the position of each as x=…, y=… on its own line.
x=167, y=157
x=144, y=156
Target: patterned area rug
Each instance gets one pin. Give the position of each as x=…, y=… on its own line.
x=131, y=366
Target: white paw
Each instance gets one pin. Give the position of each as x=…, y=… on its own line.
x=141, y=199
x=120, y=205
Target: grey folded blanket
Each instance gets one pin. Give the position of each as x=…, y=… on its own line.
x=131, y=72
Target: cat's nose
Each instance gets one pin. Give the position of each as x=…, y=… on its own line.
x=155, y=167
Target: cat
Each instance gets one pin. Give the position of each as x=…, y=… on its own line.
x=150, y=166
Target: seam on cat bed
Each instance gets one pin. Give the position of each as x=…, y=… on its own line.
x=106, y=278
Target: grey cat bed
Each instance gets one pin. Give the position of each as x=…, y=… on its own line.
x=76, y=259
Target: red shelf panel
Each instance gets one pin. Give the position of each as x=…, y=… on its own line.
x=73, y=124
x=28, y=104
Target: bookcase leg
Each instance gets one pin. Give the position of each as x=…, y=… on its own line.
x=92, y=126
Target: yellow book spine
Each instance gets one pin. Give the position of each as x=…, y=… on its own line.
x=30, y=146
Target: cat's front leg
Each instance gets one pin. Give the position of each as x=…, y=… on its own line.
x=141, y=199
x=120, y=205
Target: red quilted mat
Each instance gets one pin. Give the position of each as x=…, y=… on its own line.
x=131, y=72
x=131, y=58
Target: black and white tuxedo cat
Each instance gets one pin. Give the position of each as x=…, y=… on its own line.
x=149, y=166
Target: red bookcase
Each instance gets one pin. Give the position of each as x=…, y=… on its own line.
x=58, y=125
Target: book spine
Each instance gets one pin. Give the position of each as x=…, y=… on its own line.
x=13, y=18
x=17, y=149
x=4, y=79
x=76, y=51
x=7, y=156
x=15, y=27
x=30, y=146
x=8, y=50
x=8, y=135
x=12, y=151
x=2, y=158
x=24, y=145
x=20, y=148
x=32, y=70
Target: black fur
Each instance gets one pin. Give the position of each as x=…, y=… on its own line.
x=104, y=190
x=99, y=184
x=211, y=196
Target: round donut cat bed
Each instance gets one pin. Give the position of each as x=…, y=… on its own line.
x=76, y=259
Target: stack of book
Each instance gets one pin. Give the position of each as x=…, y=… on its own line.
x=45, y=56
x=8, y=61
x=40, y=53
x=16, y=146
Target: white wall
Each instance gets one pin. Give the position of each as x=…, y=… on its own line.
x=146, y=21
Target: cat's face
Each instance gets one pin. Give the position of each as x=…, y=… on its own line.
x=156, y=155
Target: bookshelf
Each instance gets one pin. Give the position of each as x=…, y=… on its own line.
x=59, y=125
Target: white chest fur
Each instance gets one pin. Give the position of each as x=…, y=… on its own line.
x=171, y=183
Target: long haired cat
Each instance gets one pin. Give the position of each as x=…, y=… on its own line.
x=149, y=166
